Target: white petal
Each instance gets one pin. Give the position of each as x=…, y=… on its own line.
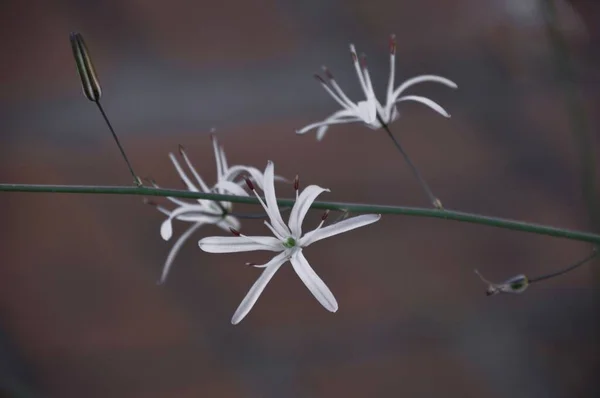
x=166, y=229
x=271, y=201
x=321, y=132
x=175, y=249
x=235, y=244
x=190, y=186
x=223, y=160
x=303, y=203
x=217, y=157
x=229, y=222
x=312, y=281
x=257, y=288
x=339, y=117
x=190, y=166
x=425, y=101
x=338, y=228
x=367, y=111
x=361, y=78
x=225, y=187
x=421, y=79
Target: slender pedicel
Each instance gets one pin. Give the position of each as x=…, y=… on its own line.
x=519, y=283
x=92, y=90
x=434, y=201
x=578, y=264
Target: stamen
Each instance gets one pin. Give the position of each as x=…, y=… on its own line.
x=249, y=183
x=325, y=215
x=251, y=264
x=353, y=52
x=297, y=185
x=393, y=44
x=363, y=60
x=234, y=231
x=327, y=72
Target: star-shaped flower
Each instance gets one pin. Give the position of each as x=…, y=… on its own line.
x=288, y=241
x=202, y=211
x=371, y=110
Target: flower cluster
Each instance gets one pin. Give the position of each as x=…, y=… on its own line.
x=230, y=180
x=288, y=239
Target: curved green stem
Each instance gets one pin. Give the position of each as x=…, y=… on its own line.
x=339, y=206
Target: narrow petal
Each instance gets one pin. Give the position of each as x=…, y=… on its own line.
x=257, y=288
x=338, y=228
x=421, y=79
x=339, y=117
x=190, y=166
x=390, y=87
x=333, y=95
x=184, y=213
x=229, y=222
x=223, y=160
x=425, y=101
x=217, y=157
x=271, y=200
x=175, y=249
x=303, y=203
x=186, y=180
x=312, y=281
x=166, y=229
x=226, y=187
x=235, y=244
x=361, y=78
x=255, y=174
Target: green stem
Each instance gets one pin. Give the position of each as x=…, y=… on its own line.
x=338, y=206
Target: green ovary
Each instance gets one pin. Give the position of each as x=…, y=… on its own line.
x=289, y=242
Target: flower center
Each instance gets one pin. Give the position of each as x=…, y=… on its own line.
x=289, y=242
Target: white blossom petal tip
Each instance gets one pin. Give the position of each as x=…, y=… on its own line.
x=166, y=229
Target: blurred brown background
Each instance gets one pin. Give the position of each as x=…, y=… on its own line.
x=80, y=313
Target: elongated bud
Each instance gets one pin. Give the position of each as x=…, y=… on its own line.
x=249, y=183
x=85, y=68
x=235, y=231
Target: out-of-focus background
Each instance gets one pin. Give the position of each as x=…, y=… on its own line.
x=80, y=312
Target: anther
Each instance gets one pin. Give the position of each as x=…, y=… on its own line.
x=327, y=72
x=234, y=231
x=249, y=183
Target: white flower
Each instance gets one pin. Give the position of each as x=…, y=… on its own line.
x=368, y=111
x=203, y=211
x=516, y=284
x=288, y=240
